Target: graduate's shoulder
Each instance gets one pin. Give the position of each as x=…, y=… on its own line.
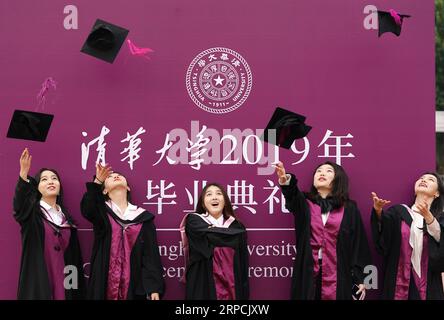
x=195, y=220
x=144, y=215
x=238, y=224
x=396, y=209
x=351, y=205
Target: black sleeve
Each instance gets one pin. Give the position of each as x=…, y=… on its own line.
x=195, y=229
x=244, y=265
x=224, y=237
x=436, y=250
x=296, y=203
x=93, y=204
x=361, y=256
x=202, y=238
x=25, y=197
x=152, y=270
x=294, y=198
x=382, y=230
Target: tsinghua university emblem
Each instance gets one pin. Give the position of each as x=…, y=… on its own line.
x=219, y=80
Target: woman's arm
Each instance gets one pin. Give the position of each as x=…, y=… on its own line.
x=382, y=223
x=295, y=200
x=26, y=191
x=93, y=201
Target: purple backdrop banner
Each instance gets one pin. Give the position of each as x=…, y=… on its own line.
x=192, y=113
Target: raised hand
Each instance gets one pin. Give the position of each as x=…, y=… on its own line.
x=155, y=296
x=102, y=172
x=378, y=203
x=280, y=171
x=424, y=210
x=25, y=164
x=360, y=292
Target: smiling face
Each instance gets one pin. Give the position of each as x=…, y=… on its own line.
x=323, y=177
x=214, y=201
x=427, y=185
x=115, y=181
x=49, y=184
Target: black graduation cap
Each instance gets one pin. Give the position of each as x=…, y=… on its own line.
x=289, y=126
x=29, y=125
x=104, y=41
x=390, y=22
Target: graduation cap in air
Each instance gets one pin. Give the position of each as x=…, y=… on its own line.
x=289, y=126
x=29, y=125
x=390, y=22
x=104, y=41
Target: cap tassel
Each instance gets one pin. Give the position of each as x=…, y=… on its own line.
x=140, y=52
x=46, y=85
x=396, y=17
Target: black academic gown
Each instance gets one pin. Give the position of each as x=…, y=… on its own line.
x=34, y=280
x=387, y=239
x=146, y=271
x=352, y=249
x=202, y=241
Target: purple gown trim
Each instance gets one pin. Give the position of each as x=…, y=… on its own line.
x=56, y=242
x=405, y=268
x=223, y=273
x=123, y=239
x=325, y=237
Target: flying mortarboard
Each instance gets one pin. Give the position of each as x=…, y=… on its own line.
x=104, y=41
x=390, y=22
x=289, y=126
x=28, y=125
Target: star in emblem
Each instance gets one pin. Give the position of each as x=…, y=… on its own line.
x=219, y=80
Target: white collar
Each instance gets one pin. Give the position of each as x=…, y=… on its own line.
x=47, y=207
x=131, y=212
x=211, y=221
x=53, y=214
x=219, y=222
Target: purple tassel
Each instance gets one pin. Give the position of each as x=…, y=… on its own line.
x=140, y=52
x=396, y=17
x=46, y=85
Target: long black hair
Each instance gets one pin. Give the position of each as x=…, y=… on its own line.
x=339, y=194
x=228, y=208
x=59, y=198
x=437, y=206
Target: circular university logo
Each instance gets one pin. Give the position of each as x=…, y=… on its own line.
x=219, y=80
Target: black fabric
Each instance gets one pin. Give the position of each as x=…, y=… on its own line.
x=413, y=290
x=387, y=239
x=352, y=250
x=318, y=283
x=326, y=204
x=202, y=241
x=386, y=23
x=146, y=275
x=288, y=126
x=28, y=125
x=34, y=279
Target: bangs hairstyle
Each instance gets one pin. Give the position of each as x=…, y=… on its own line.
x=339, y=194
x=228, y=208
x=59, y=199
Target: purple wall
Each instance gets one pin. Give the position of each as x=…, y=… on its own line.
x=313, y=57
